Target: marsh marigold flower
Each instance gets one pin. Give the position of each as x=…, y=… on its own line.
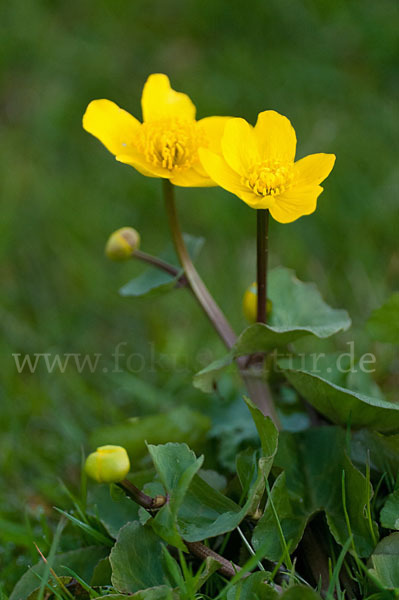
x=166, y=143
x=257, y=164
x=108, y=464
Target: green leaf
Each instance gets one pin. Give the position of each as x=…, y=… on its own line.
x=383, y=451
x=207, y=513
x=390, y=512
x=82, y=561
x=300, y=592
x=337, y=403
x=253, y=475
x=101, y=574
x=267, y=431
x=153, y=281
x=113, y=510
x=253, y=587
x=383, y=324
x=176, y=466
x=385, y=561
x=179, y=425
x=298, y=310
x=161, y=592
x=136, y=559
x=312, y=462
x=205, y=379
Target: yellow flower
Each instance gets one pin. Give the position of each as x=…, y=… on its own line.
x=166, y=143
x=250, y=303
x=257, y=165
x=108, y=464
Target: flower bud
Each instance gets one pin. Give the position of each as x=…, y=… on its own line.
x=122, y=243
x=108, y=464
x=250, y=304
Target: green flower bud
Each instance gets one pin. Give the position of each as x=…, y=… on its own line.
x=122, y=243
x=108, y=464
x=250, y=303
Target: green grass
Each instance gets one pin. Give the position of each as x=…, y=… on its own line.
x=330, y=67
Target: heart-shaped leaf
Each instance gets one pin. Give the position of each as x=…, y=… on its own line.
x=339, y=404
x=205, y=512
x=298, y=310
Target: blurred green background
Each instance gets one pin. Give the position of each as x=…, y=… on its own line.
x=328, y=66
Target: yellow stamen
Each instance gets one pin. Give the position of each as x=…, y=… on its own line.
x=269, y=178
x=170, y=143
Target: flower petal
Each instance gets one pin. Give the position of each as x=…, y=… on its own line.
x=239, y=145
x=218, y=170
x=275, y=137
x=313, y=169
x=228, y=179
x=137, y=160
x=160, y=101
x=295, y=203
x=112, y=125
x=192, y=178
x=213, y=129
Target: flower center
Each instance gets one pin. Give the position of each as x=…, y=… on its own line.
x=170, y=143
x=269, y=178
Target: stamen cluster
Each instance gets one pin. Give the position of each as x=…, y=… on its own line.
x=170, y=143
x=269, y=178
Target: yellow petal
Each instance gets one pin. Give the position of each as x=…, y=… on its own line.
x=192, y=178
x=295, y=203
x=113, y=126
x=218, y=170
x=137, y=160
x=275, y=137
x=255, y=201
x=160, y=101
x=213, y=129
x=239, y=145
x=313, y=169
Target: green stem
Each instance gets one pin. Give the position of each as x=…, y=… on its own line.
x=154, y=261
x=198, y=287
x=262, y=251
x=148, y=502
x=257, y=388
x=199, y=549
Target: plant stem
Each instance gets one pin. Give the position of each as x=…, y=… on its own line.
x=199, y=549
x=140, y=497
x=257, y=388
x=262, y=251
x=198, y=287
x=227, y=568
x=154, y=261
